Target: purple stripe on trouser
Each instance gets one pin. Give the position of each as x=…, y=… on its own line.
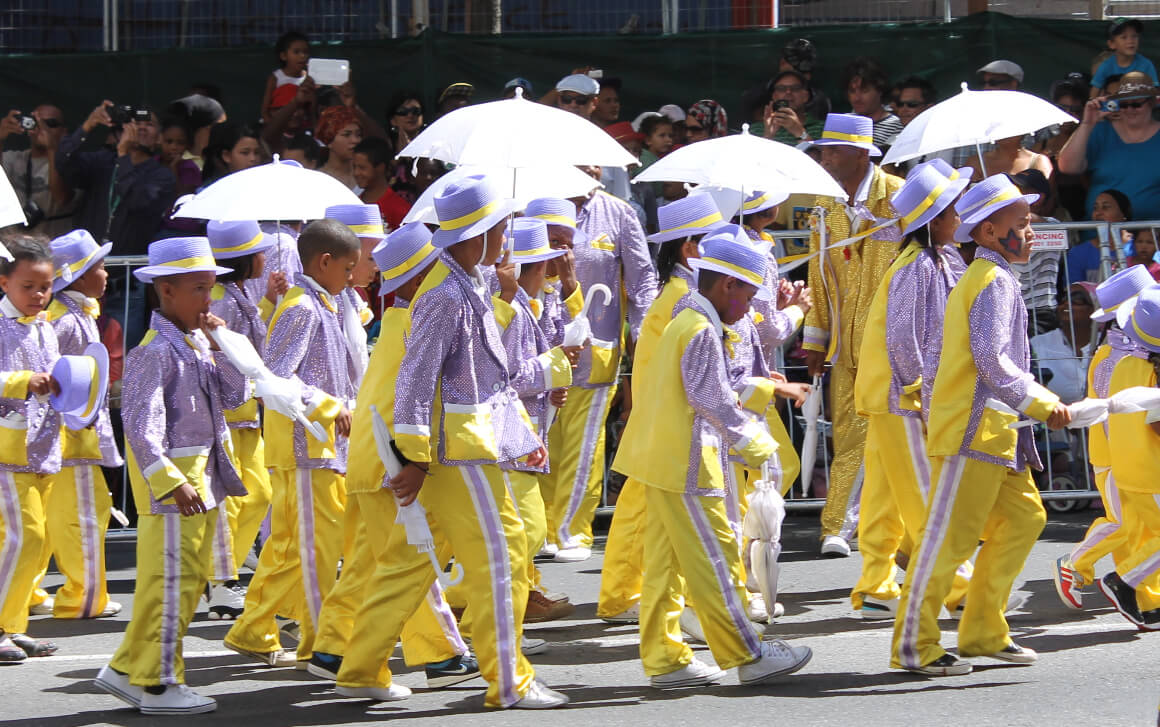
x=1103, y=531
x=170, y=596
x=306, y=552
x=716, y=558
x=584, y=464
x=87, y=519
x=491, y=529
x=928, y=550
x=13, y=532
x=446, y=620
x=1149, y=567
x=916, y=447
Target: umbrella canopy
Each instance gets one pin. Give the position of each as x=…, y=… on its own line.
x=516, y=133
x=561, y=181
x=275, y=191
x=10, y=211
x=974, y=117
x=746, y=163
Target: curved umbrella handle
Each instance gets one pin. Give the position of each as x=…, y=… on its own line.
x=446, y=579
x=604, y=292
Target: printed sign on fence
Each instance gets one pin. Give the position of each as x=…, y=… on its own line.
x=1049, y=240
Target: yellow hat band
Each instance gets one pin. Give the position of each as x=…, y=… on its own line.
x=755, y=203
x=366, y=229
x=855, y=138
x=201, y=261
x=73, y=268
x=930, y=199
x=409, y=263
x=249, y=244
x=531, y=253
x=94, y=389
x=556, y=220
x=468, y=219
x=703, y=222
x=747, y=275
x=1009, y=193
x=1144, y=336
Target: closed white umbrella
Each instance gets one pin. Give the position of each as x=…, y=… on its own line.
x=972, y=118
x=561, y=181
x=275, y=191
x=811, y=413
x=762, y=525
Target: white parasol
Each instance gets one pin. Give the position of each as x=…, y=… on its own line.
x=763, y=526
x=275, y=191
x=811, y=412
x=562, y=181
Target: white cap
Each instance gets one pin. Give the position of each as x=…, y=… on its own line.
x=1004, y=68
x=641, y=117
x=579, y=83
x=675, y=113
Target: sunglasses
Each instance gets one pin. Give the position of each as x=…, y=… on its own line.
x=910, y=104
x=409, y=111
x=51, y=123
x=1132, y=104
x=571, y=99
x=1001, y=81
x=788, y=89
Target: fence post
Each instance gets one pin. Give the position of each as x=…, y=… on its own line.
x=947, y=11
x=1097, y=9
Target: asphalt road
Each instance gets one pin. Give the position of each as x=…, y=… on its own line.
x=1095, y=668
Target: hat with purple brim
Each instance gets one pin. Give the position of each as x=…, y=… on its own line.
x=1119, y=289
x=1140, y=318
x=364, y=220
x=237, y=239
x=929, y=189
x=556, y=211
x=696, y=214
x=530, y=241
x=404, y=252
x=177, y=256
x=985, y=199
x=729, y=251
x=761, y=201
x=72, y=256
x=849, y=130
x=469, y=207
x=84, y=381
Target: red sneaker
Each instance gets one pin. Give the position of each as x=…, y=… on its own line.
x=1068, y=583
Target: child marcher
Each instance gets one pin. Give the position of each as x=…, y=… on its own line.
x=1124, y=42
x=365, y=221
x=30, y=456
x=561, y=296
x=299, y=562
x=176, y=392
x=80, y=503
x=244, y=246
x=695, y=417
x=451, y=447
x=979, y=465
x=901, y=345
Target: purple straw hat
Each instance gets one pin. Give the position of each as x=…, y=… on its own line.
x=84, y=381
x=236, y=239
x=467, y=208
x=403, y=253
x=364, y=220
x=1142, y=324
x=849, y=130
x=696, y=214
x=530, y=238
x=929, y=189
x=1119, y=289
x=985, y=199
x=728, y=250
x=179, y=255
x=72, y=255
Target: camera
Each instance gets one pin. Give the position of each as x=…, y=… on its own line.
x=27, y=123
x=779, y=104
x=1110, y=106
x=121, y=114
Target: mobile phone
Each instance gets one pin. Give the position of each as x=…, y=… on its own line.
x=1111, y=106
x=596, y=73
x=781, y=103
x=329, y=71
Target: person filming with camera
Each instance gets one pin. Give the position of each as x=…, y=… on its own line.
x=48, y=201
x=786, y=117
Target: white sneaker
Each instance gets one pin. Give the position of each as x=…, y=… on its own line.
x=279, y=658
x=778, y=610
x=540, y=696
x=694, y=674
x=549, y=550
x=575, y=554
x=118, y=685
x=177, y=699
x=835, y=547
x=226, y=601
x=1015, y=654
x=877, y=609
x=691, y=626
x=756, y=610
x=530, y=646
x=112, y=608
x=251, y=560
x=630, y=615
x=393, y=693
x=777, y=659
x=44, y=608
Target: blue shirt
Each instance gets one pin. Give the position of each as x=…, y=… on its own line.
x=1083, y=263
x=1110, y=67
x=1130, y=168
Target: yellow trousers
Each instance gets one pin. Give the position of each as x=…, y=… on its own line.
x=893, y=507
x=1141, y=511
x=245, y=514
x=577, y=446
x=621, y=575
x=471, y=513
x=299, y=563
x=525, y=492
x=969, y=498
x=172, y=555
x=1106, y=535
x=849, y=441
x=429, y=636
x=690, y=536
x=78, y=517
x=23, y=498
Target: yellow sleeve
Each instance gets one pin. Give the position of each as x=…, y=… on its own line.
x=1039, y=403
x=758, y=448
x=817, y=322
x=14, y=384
x=575, y=302
x=265, y=309
x=796, y=317
x=557, y=369
x=504, y=311
x=758, y=394
x=163, y=477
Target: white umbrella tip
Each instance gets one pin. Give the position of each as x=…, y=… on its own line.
x=519, y=92
x=964, y=86
x=745, y=128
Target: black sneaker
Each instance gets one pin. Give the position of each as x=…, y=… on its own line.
x=1151, y=620
x=324, y=666
x=946, y=665
x=1123, y=597
x=453, y=671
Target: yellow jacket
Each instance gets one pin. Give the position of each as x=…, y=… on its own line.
x=365, y=471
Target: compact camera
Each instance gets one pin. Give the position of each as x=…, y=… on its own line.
x=121, y=114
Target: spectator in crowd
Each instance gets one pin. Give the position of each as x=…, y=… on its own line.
x=1039, y=276
x=1144, y=251
x=47, y=199
x=801, y=55
x=912, y=96
x=705, y=119
x=1069, y=95
x=304, y=149
x=607, y=109
x=1008, y=156
x=657, y=131
x=1124, y=44
x=1120, y=154
x=198, y=112
x=233, y=146
x=509, y=88
x=293, y=51
x=174, y=145
x=866, y=85
x=455, y=96
x=1083, y=260
x=577, y=93
x=786, y=117
x=339, y=129
x=370, y=163
x=1000, y=75
x=675, y=114
x=1066, y=350
x=293, y=112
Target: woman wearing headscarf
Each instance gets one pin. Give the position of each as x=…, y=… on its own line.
x=705, y=119
x=339, y=129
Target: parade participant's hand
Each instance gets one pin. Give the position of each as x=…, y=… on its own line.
x=342, y=423
x=539, y=457
x=505, y=270
x=42, y=384
x=1059, y=418
x=778, y=376
x=10, y=124
x=406, y=484
x=785, y=293
x=188, y=501
x=803, y=298
x=795, y=392
x=276, y=286
x=573, y=354
x=558, y=397
x=208, y=322
x=566, y=269
x=98, y=117
x=816, y=362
